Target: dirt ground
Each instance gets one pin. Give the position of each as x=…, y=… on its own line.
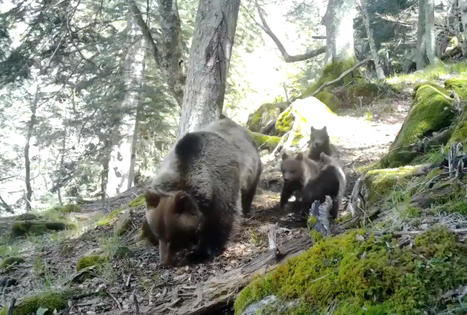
x=134, y=281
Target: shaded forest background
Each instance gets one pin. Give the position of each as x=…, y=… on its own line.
x=86, y=85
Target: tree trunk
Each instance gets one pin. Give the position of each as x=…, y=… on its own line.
x=27, y=162
x=463, y=17
x=120, y=167
x=208, y=63
x=425, y=33
x=374, y=53
x=339, y=30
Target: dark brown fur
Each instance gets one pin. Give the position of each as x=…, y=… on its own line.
x=296, y=173
x=330, y=181
x=320, y=143
x=204, y=184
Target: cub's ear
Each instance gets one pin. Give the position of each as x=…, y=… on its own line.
x=284, y=156
x=299, y=156
x=152, y=198
x=184, y=203
x=324, y=128
x=312, y=129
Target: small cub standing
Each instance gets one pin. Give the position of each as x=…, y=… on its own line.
x=296, y=173
x=203, y=185
x=331, y=181
x=320, y=143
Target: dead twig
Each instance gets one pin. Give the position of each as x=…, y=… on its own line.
x=135, y=301
x=11, y=306
x=127, y=283
x=119, y=305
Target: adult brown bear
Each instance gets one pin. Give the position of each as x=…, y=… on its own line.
x=203, y=185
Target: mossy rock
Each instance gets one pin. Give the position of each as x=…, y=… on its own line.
x=331, y=100
x=432, y=111
x=36, y=227
x=56, y=300
x=299, y=117
x=459, y=85
x=91, y=260
x=357, y=273
x=380, y=182
x=10, y=262
x=263, y=115
x=459, y=133
x=264, y=141
x=137, y=202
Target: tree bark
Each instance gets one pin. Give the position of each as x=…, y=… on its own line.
x=463, y=12
x=121, y=162
x=374, y=53
x=208, y=63
x=27, y=162
x=425, y=33
x=339, y=30
x=166, y=49
x=287, y=58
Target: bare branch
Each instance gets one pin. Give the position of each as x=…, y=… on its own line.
x=285, y=55
x=343, y=74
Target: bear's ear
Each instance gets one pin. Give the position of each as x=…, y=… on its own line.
x=324, y=128
x=299, y=156
x=152, y=198
x=284, y=156
x=312, y=129
x=184, y=203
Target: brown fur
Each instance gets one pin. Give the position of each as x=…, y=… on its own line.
x=204, y=184
x=330, y=182
x=296, y=173
x=320, y=143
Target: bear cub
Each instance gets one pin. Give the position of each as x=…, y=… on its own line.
x=296, y=173
x=320, y=143
x=204, y=184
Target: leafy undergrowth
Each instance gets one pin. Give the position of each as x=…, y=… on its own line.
x=360, y=273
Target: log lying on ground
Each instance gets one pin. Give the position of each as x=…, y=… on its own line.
x=221, y=290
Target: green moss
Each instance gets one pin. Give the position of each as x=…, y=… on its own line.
x=459, y=85
x=361, y=272
x=36, y=227
x=71, y=207
x=459, y=133
x=9, y=262
x=109, y=218
x=264, y=141
x=285, y=121
x=137, y=202
x=432, y=110
x=380, y=182
x=331, y=72
x=55, y=300
x=91, y=260
x=331, y=100
x=264, y=114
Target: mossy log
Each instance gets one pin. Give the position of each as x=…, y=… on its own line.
x=55, y=300
x=432, y=111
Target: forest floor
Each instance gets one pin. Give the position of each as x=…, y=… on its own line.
x=132, y=281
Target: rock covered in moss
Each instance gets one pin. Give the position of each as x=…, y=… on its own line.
x=459, y=132
x=299, y=117
x=51, y=301
x=36, y=227
x=263, y=141
x=137, y=202
x=123, y=223
x=356, y=273
x=264, y=115
x=459, y=85
x=330, y=99
x=432, y=110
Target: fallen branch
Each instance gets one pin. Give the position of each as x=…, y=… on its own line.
x=11, y=306
x=401, y=233
x=343, y=74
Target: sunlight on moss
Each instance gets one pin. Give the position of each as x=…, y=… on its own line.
x=137, y=202
x=109, y=218
x=53, y=300
x=263, y=141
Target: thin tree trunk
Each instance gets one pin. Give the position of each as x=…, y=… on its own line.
x=425, y=33
x=208, y=63
x=339, y=30
x=27, y=162
x=62, y=162
x=121, y=163
x=463, y=13
x=374, y=53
